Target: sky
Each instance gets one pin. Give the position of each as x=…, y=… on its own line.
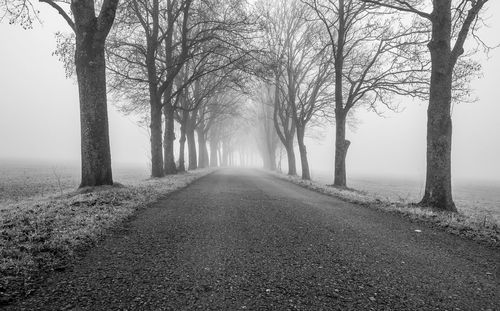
x=39, y=116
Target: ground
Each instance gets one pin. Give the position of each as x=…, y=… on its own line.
x=247, y=240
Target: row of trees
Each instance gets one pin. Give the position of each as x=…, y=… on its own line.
x=325, y=58
x=222, y=69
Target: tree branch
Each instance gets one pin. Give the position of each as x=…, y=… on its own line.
x=63, y=13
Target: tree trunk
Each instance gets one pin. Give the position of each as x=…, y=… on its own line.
x=154, y=97
x=219, y=154
x=191, y=148
x=272, y=157
x=182, y=143
x=156, y=137
x=290, y=154
x=213, y=153
x=91, y=76
x=438, y=192
x=168, y=141
x=225, y=154
x=90, y=33
x=303, y=154
x=341, y=147
x=341, y=144
x=203, y=160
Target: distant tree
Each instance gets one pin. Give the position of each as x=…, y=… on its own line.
x=219, y=101
x=372, y=61
x=273, y=25
x=307, y=72
x=90, y=31
x=451, y=22
x=221, y=108
x=261, y=117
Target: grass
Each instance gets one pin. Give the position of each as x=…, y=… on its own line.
x=43, y=235
x=476, y=226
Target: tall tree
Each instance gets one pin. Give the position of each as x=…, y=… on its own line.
x=275, y=33
x=90, y=32
x=371, y=60
x=451, y=22
x=147, y=50
x=262, y=112
x=307, y=71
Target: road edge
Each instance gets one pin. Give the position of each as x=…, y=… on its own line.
x=485, y=233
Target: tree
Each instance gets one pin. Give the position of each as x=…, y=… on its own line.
x=216, y=105
x=372, y=60
x=220, y=109
x=450, y=21
x=262, y=114
x=150, y=46
x=274, y=32
x=90, y=31
x=156, y=40
x=307, y=71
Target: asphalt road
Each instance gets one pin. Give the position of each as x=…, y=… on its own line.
x=244, y=240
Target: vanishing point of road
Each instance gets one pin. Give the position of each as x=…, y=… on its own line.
x=244, y=240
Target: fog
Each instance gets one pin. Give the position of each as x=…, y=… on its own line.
x=39, y=117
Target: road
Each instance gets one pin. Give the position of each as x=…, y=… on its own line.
x=244, y=240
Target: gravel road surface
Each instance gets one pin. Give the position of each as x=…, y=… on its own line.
x=244, y=240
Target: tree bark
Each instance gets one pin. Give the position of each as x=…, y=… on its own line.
x=91, y=33
x=156, y=137
x=191, y=147
x=203, y=160
x=154, y=97
x=438, y=193
x=341, y=147
x=168, y=141
x=303, y=153
x=182, y=143
x=341, y=144
x=290, y=153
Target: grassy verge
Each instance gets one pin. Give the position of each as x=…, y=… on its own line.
x=482, y=229
x=39, y=237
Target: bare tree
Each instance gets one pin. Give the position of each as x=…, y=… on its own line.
x=147, y=50
x=90, y=32
x=220, y=101
x=208, y=35
x=372, y=61
x=307, y=71
x=273, y=20
x=451, y=23
x=221, y=108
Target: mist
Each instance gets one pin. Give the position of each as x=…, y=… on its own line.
x=39, y=117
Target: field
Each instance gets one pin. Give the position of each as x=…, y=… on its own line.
x=31, y=181
x=477, y=199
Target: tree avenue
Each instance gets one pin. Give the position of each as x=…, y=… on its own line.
x=230, y=82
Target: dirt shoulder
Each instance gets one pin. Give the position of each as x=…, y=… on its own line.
x=37, y=238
